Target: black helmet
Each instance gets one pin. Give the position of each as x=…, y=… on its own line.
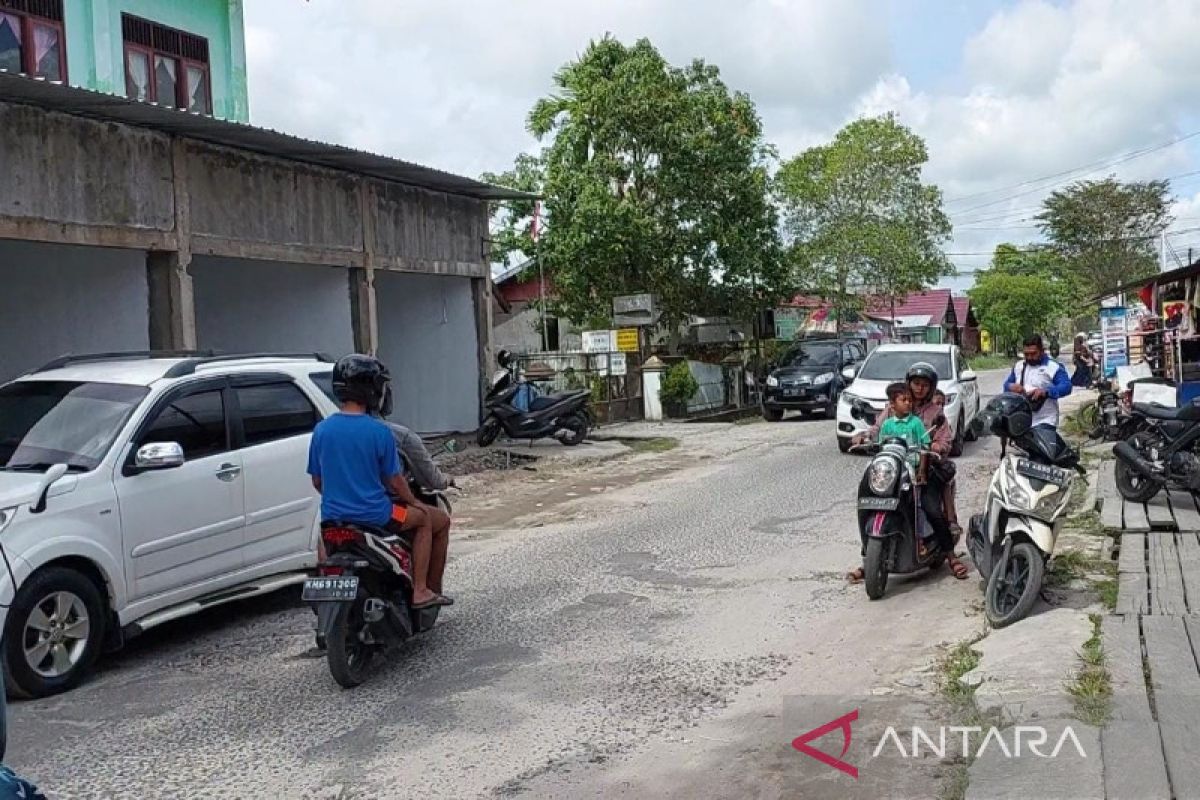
x=504, y=358
x=922, y=369
x=1009, y=414
x=363, y=379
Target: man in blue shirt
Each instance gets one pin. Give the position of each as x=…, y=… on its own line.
x=354, y=464
x=1041, y=379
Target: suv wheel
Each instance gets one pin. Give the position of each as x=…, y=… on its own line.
x=54, y=632
x=772, y=414
x=960, y=433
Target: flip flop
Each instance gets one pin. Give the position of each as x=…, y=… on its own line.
x=856, y=575
x=437, y=600
x=958, y=568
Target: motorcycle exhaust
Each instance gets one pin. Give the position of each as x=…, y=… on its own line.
x=1130, y=456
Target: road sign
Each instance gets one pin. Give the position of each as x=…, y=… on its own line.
x=634, y=309
x=599, y=341
x=617, y=365
x=627, y=340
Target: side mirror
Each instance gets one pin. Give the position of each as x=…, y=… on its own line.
x=849, y=372
x=43, y=491
x=968, y=375
x=158, y=455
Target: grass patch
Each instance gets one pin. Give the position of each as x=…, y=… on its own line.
x=1108, y=593
x=1075, y=427
x=956, y=663
x=1069, y=565
x=990, y=362
x=1091, y=689
x=657, y=444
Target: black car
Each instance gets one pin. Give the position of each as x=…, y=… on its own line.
x=809, y=377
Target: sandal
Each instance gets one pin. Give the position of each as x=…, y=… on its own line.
x=436, y=600
x=856, y=575
x=957, y=567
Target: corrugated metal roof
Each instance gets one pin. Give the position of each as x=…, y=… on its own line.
x=933, y=302
x=18, y=88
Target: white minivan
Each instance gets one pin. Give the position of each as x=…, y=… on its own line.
x=136, y=489
x=887, y=364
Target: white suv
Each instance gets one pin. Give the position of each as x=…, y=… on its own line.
x=137, y=488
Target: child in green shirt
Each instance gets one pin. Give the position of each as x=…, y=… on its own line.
x=903, y=424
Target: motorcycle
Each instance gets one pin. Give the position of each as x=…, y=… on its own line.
x=1106, y=419
x=889, y=516
x=1013, y=539
x=1165, y=451
x=563, y=416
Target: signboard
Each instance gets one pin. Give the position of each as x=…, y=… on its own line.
x=617, y=365
x=787, y=323
x=627, y=340
x=634, y=309
x=599, y=341
x=1115, y=344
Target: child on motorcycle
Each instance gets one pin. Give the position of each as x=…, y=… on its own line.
x=950, y=488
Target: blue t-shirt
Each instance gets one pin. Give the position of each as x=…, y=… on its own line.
x=354, y=455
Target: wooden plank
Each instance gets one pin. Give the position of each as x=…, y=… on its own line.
x=1176, y=684
x=1131, y=575
x=1189, y=566
x=1110, y=501
x=1132, y=556
x=1134, y=765
x=1135, y=517
x=1123, y=654
x=1183, y=505
x=1158, y=513
x=1166, y=580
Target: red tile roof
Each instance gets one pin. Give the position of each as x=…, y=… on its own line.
x=962, y=310
x=933, y=302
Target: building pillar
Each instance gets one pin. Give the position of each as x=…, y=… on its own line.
x=172, y=307
x=481, y=298
x=364, y=311
x=652, y=372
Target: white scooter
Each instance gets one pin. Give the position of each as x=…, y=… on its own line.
x=1011, y=541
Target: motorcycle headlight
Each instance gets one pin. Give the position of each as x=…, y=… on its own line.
x=824, y=377
x=881, y=475
x=1017, y=496
x=772, y=380
x=6, y=516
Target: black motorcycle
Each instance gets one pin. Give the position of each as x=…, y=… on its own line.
x=888, y=517
x=1165, y=451
x=563, y=416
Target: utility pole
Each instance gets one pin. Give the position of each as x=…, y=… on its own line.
x=537, y=254
x=1162, y=252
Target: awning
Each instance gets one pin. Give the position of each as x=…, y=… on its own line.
x=1173, y=276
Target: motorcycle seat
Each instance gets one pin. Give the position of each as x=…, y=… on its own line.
x=1186, y=413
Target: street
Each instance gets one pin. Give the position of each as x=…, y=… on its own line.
x=654, y=639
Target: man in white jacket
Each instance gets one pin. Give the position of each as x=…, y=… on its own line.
x=1041, y=379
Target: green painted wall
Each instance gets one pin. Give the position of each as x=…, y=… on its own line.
x=95, y=51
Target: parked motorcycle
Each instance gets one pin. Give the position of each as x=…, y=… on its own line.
x=1165, y=451
x=889, y=516
x=563, y=416
x=1012, y=540
x=1106, y=419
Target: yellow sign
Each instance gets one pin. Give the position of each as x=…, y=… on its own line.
x=627, y=340
x=985, y=342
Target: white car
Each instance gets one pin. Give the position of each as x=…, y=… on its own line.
x=887, y=364
x=137, y=489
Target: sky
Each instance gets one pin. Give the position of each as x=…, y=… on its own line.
x=1014, y=99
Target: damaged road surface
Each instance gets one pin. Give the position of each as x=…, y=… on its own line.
x=662, y=638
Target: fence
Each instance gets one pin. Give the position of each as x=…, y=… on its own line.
x=615, y=398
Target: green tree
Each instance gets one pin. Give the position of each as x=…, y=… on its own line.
x=1011, y=305
x=512, y=220
x=1106, y=231
x=655, y=180
x=858, y=217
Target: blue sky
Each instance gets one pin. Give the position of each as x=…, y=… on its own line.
x=1002, y=92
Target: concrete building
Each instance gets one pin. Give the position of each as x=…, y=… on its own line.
x=125, y=225
x=188, y=55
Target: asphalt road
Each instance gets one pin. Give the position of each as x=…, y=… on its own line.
x=649, y=645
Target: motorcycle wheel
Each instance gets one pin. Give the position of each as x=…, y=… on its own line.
x=1132, y=486
x=348, y=656
x=488, y=432
x=875, y=568
x=576, y=428
x=1013, y=588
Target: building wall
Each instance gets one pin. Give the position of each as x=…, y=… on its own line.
x=245, y=306
x=59, y=299
x=96, y=50
x=427, y=337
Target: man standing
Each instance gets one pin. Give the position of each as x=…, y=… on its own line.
x=1041, y=379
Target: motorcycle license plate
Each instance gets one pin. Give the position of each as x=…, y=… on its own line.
x=1043, y=472
x=879, y=503
x=330, y=590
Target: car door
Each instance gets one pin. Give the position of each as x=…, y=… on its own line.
x=183, y=526
x=968, y=389
x=274, y=424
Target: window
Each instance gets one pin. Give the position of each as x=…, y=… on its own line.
x=892, y=365
x=165, y=66
x=274, y=411
x=32, y=38
x=324, y=382
x=196, y=422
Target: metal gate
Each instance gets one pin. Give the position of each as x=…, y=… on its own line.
x=614, y=379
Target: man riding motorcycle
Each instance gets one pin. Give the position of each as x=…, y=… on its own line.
x=922, y=379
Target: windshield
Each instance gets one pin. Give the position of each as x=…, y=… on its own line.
x=891, y=365
x=811, y=356
x=43, y=423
